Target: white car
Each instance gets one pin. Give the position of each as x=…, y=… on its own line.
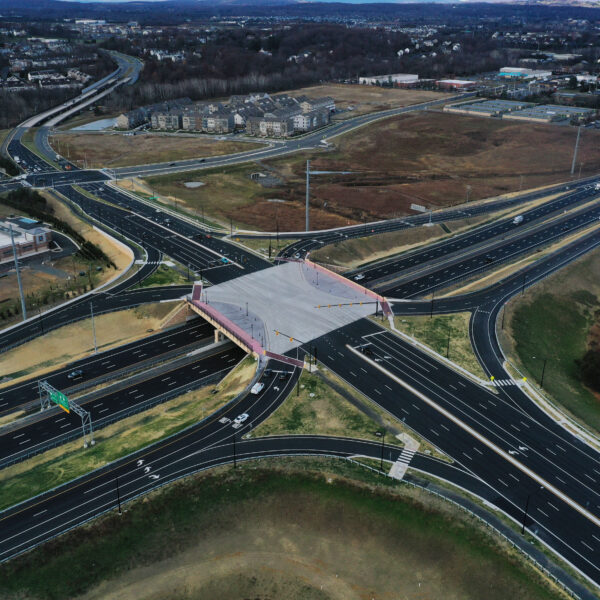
x=241, y=418
x=257, y=388
x=359, y=277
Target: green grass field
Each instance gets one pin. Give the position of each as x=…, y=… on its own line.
x=552, y=322
x=300, y=529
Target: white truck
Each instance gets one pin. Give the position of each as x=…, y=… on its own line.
x=518, y=220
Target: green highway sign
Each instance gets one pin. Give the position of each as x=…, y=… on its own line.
x=60, y=399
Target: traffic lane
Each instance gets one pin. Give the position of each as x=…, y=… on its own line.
x=486, y=234
x=510, y=483
x=17, y=396
x=33, y=436
x=46, y=517
x=502, y=290
x=541, y=446
x=457, y=269
x=172, y=222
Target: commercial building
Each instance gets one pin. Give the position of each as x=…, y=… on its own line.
x=487, y=108
x=392, y=79
x=31, y=237
x=456, y=84
x=523, y=73
x=548, y=113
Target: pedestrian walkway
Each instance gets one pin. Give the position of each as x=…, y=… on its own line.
x=411, y=446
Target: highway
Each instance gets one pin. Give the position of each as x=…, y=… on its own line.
x=128, y=356
x=506, y=450
x=23, y=439
x=456, y=268
x=480, y=236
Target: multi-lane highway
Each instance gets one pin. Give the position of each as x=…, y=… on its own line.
x=20, y=396
x=506, y=449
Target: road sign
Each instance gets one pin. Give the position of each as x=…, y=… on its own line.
x=60, y=399
x=418, y=208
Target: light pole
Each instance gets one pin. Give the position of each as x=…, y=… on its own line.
x=381, y=434
x=118, y=495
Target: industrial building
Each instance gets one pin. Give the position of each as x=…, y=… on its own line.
x=456, y=84
x=31, y=237
x=547, y=113
x=487, y=108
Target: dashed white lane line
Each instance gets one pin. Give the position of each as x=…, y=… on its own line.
x=491, y=445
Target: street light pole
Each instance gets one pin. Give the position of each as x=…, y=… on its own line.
x=307, y=194
x=93, y=328
x=234, y=455
x=118, y=495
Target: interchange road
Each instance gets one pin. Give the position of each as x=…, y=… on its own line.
x=509, y=447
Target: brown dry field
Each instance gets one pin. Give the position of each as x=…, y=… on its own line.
x=425, y=158
x=74, y=341
x=117, y=150
x=367, y=98
x=328, y=544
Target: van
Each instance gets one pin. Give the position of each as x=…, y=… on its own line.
x=257, y=388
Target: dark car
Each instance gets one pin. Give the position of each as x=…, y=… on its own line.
x=75, y=374
x=283, y=375
x=366, y=349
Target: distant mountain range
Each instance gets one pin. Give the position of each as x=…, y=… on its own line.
x=111, y=8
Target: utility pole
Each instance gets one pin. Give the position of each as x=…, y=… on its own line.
x=18, y=270
x=93, y=327
x=307, y=194
x=575, y=151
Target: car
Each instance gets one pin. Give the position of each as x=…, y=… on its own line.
x=488, y=259
x=297, y=255
x=257, y=388
x=359, y=276
x=75, y=374
x=283, y=375
x=241, y=418
x=172, y=164
x=268, y=372
x=366, y=349
x=202, y=160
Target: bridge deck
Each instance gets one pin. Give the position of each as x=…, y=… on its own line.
x=296, y=299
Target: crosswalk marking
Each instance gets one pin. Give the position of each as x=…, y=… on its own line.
x=504, y=382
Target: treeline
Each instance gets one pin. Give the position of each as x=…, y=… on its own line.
x=589, y=369
x=238, y=61
x=34, y=204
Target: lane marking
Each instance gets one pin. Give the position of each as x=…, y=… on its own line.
x=491, y=445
